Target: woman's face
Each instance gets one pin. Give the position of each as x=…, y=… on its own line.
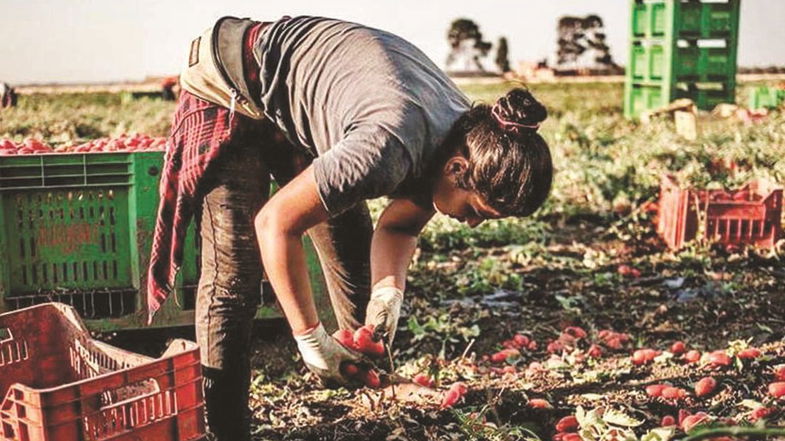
x=460, y=204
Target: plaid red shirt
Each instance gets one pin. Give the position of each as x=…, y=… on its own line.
x=199, y=131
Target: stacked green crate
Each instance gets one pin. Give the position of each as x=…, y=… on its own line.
x=78, y=229
x=681, y=49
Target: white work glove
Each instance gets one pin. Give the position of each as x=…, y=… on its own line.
x=384, y=309
x=323, y=355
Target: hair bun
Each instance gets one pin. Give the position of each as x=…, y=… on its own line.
x=519, y=109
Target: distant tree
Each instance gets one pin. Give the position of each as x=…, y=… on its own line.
x=466, y=42
x=502, y=55
x=581, y=43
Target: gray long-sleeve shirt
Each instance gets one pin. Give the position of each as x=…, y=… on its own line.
x=368, y=105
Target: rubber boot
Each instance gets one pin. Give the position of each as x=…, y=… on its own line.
x=226, y=400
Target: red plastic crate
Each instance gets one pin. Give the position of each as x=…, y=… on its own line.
x=58, y=384
x=751, y=215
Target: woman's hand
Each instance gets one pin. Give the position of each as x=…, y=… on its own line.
x=324, y=355
x=384, y=310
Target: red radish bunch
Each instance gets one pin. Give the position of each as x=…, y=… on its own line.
x=124, y=143
x=613, y=340
x=567, y=424
x=30, y=146
x=644, y=356
x=423, y=380
x=678, y=348
x=520, y=342
x=628, y=271
x=705, y=386
x=361, y=341
x=453, y=395
x=539, y=403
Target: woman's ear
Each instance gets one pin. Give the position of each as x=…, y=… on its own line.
x=455, y=169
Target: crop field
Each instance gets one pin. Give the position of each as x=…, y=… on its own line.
x=580, y=310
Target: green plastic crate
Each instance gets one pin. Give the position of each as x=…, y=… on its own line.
x=643, y=97
x=78, y=228
x=705, y=95
x=766, y=98
x=707, y=19
x=676, y=42
x=690, y=19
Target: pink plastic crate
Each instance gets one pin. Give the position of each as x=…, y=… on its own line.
x=751, y=215
x=58, y=384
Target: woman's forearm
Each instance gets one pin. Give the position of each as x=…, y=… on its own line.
x=284, y=262
x=391, y=253
x=280, y=226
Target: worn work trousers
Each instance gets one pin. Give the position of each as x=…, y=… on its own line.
x=236, y=187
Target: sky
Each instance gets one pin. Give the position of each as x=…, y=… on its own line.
x=71, y=41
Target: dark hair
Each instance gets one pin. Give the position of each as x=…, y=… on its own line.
x=509, y=162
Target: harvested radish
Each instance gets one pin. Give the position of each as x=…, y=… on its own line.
x=614, y=343
x=576, y=331
x=692, y=421
x=371, y=379
x=521, y=340
x=595, y=351
x=571, y=436
x=504, y=354
x=719, y=358
x=779, y=373
x=667, y=421
x=344, y=337
x=643, y=356
x=749, y=354
x=628, y=271
x=762, y=412
x=673, y=393
x=363, y=341
x=683, y=413
x=678, y=348
x=555, y=346
x=349, y=369
x=567, y=424
x=692, y=356
x=705, y=386
x=423, y=380
x=655, y=390
x=777, y=389
x=453, y=395
x=539, y=403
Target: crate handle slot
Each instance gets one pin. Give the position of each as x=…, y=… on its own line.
x=5, y=335
x=124, y=395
